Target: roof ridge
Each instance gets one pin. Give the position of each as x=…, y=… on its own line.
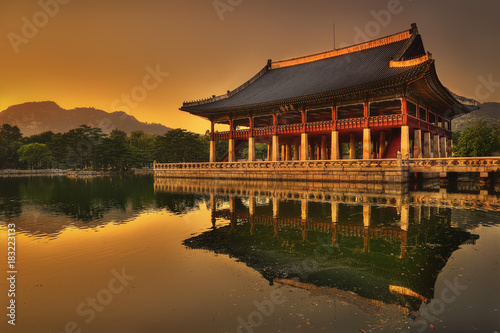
x=407, y=34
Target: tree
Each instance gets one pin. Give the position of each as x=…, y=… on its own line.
x=35, y=154
x=10, y=141
x=178, y=145
x=142, y=146
x=80, y=143
x=477, y=140
x=11, y=133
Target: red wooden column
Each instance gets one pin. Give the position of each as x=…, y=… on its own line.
x=212, y=143
x=404, y=110
x=405, y=130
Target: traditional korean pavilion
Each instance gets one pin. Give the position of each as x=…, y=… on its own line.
x=383, y=93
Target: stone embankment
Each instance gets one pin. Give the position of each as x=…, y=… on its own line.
x=68, y=173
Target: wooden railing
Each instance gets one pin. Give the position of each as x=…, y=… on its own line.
x=328, y=125
x=350, y=123
x=385, y=121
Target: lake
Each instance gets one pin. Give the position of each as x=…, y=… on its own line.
x=128, y=254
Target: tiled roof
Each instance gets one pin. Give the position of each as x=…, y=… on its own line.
x=329, y=72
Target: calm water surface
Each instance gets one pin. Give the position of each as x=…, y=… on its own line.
x=124, y=254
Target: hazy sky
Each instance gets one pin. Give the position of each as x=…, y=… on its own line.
x=160, y=53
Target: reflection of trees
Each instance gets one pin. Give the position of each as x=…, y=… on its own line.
x=10, y=203
x=89, y=199
x=179, y=203
x=81, y=199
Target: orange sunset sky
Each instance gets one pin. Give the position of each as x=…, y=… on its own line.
x=89, y=53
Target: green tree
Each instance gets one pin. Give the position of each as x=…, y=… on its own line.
x=113, y=153
x=477, y=140
x=178, y=145
x=80, y=143
x=10, y=142
x=142, y=147
x=35, y=155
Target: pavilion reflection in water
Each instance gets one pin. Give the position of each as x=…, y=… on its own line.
x=382, y=247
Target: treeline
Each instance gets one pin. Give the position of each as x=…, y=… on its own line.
x=480, y=139
x=88, y=147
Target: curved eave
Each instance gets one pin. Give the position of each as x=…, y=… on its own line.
x=431, y=88
x=412, y=74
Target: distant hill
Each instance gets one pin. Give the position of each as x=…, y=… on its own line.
x=37, y=117
x=489, y=112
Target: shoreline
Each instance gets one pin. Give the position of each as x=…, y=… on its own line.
x=7, y=173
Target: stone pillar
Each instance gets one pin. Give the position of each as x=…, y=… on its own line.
x=304, y=208
x=417, y=143
x=323, y=148
x=232, y=203
x=367, y=143
x=405, y=141
x=367, y=215
x=213, y=206
x=405, y=216
x=296, y=149
x=304, y=147
x=335, y=212
x=231, y=156
x=251, y=149
x=283, y=153
x=436, y=153
x=269, y=151
x=352, y=147
x=213, y=155
x=335, y=146
x=276, y=208
x=288, y=152
x=381, y=145
x=275, y=149
x=444, y=151
x=418, y=214
x=251, y=206
x=449, y=146
x=427, y=145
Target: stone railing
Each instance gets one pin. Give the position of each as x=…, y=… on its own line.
x=316, y=164
x=455, y=164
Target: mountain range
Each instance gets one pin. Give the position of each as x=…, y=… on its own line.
x=488, y=112
x=37, y=117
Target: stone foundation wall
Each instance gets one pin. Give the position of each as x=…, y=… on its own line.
x=302, y=172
